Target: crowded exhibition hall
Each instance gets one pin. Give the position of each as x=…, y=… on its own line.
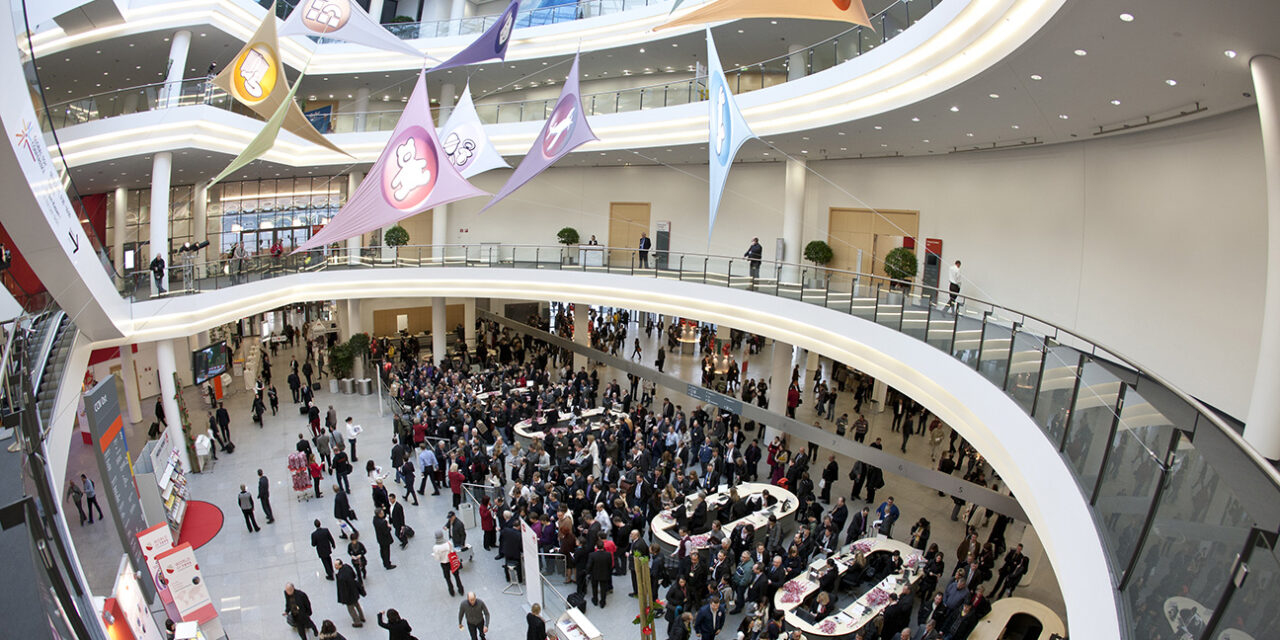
x=640, y=320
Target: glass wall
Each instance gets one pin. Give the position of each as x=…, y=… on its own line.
x=257, y=213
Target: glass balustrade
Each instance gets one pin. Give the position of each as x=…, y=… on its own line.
x=1186, y=512
x=818, y=57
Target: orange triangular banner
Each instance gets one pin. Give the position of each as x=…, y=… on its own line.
x=721, y=10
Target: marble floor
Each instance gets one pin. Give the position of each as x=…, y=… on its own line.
x=246, y=572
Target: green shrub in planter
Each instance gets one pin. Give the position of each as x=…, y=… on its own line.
x=901, y=264
x=818, y=252
x=396, y=236
x=568, y=235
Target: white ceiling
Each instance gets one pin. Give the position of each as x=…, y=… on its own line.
x=1126, y=61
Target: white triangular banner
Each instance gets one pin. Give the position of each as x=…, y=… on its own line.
x=465, y=142
x=342, y=20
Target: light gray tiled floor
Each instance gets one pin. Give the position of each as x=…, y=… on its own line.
x=246, y=572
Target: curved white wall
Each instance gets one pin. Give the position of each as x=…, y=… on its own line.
x=1004, y=434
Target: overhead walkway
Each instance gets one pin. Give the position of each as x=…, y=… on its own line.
x=1126, y=477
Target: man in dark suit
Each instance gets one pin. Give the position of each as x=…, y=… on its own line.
x=600, y=563
x=858, y=527
x=510, y=547
x=323, y=541
x=645, y=244
x=382, y=529
x=264, y=496
x=397, y=520
x=710, y=619
x=224, y=422
x=839, y=515
x=754, y=254
x=897, y=615
x=829, y=476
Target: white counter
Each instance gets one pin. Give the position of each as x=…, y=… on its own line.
x=666, y=533
x=856, y=614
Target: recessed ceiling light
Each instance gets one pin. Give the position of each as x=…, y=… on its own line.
x=1115, y=102
x=1126, y=17
x=804, y=151
x=969, y=135
x=1171, y=82
x=766, y=153
x=1081, y=52
x=1036, y=76
x=993, y=96
x=915, y=119
x=675, y=44
x=641, y=51
x=1063, y=116
x=878, y=128
x=844, y=148
x=740, y=31
x=840, y=133
x=773, y=22
x=1015, y=126
x=925, y=140
x=883, y=144
x=1230, y=53
x=954, y=109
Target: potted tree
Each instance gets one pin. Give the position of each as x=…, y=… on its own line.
x=819, y=253
x=395, y=237
x=900, y=264
x=568, y=236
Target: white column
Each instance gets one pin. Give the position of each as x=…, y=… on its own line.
x=458, y=10
x=375, y=10
x=343, y=321
x=132, y=401
x=161, y=164
x=1262, y=425
x=361, y=120
x=469, y=321
x=355, y=325
x=780, y=378
x=440, y=214
x=446, y=103
x=120, y=226
x=439, y=330
x=167, y=366
x=581, y=334
x=353, y=244
x=796, y=62
x=177, y=69
x=408, y=9
x=792, y=219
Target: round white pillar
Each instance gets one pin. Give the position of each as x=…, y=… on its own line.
x=1262, y=425
x=167, y=367
x=797, y=62
x=353, y=243
x=120, y=227
x=581, y=332
x=129, y=374
x=439, y=330
x=178, y=49
x=469, y=322
x=161, y=165
x=792, y=220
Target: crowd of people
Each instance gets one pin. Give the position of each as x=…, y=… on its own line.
x=589, y=488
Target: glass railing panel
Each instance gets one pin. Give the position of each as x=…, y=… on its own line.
x=823, y=56
x=1131, y=478
x=1251, y=611
x=1024, y=368
x=653, y=97
x=941, y=328
x=511, y=112
x=968, y=339
x=915, y=316
x=629, y=100
x=894, y=20
x=888, y=307
x=997, y=341
x=1184, y=564
x=1089, y=429
x=1057, y=388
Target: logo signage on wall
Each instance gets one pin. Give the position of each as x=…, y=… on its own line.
x=102, y=408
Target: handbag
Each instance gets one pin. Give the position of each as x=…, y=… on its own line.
x=455, y=563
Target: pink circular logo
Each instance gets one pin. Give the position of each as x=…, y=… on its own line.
x=560, y=126
x=409, y=175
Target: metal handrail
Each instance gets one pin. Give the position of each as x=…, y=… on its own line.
x=492, y=112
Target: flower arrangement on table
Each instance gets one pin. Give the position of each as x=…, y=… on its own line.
x=863, y=547
x=877, y=597
x=828, y=627
x=793, y=591
x=665, y=517
x=700, y=542
x=915, y=561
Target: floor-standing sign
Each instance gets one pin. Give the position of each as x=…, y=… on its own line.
x=532, y=570
x=102, y=408
x=155, y=541
x=181, y=572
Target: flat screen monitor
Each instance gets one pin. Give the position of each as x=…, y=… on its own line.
x=209, y=362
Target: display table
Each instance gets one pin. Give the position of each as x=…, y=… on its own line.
x=992, y=625
x=590, y=255
x=527, y=429
x=854, y=615
x=574, y=625
x=666, y=533
x=688, y=342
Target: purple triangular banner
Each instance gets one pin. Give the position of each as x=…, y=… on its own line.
x=566, y=130
x=492, y=44
x=413, y=174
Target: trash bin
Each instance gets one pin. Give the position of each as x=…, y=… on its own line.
x=348, y=385
x=467, y=513
x=333, y=385
x=366, y=386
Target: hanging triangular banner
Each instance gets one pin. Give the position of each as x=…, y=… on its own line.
x=675, y=6
x=343, y=20
x=727, y=129
x=255, y=78
x=492, y=44
x=723, y=10
x=465, y=142
x=265, y=139
x=413, y=174
x=566, y=130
